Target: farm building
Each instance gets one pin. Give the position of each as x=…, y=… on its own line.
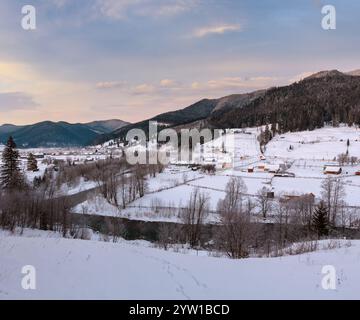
x=333, y=170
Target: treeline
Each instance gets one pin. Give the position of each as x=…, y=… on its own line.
x=305, y=105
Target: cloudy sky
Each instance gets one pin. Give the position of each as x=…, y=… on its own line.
x=133, y=59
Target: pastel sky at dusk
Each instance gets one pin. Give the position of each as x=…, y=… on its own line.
x=132, y=59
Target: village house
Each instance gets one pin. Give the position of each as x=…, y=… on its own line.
x=250, y=169
x=333, y=170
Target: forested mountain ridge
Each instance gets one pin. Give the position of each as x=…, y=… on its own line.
x=326, y=97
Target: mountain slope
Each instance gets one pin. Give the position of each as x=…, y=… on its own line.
x=235, y=101
x=328, y=96
x=197, y=111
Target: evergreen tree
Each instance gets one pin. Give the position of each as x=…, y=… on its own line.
x=32, y=163
x=320, y=220
x=10, y=173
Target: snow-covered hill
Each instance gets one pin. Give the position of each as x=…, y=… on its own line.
x=321, y=144
x=76, y=269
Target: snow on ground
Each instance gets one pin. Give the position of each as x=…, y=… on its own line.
x=171, y=177
x=78, y=187
x=323, y=144
x=219, y=182
x=159, y=206
x=214, y=187
x=30, y=175
x=77, y=269
x=97, y=206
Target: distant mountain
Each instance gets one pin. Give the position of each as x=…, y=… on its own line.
x=106, y=126
x=57, y=134
x=8, y=128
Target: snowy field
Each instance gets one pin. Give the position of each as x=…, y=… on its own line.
x=321, y=144
x=77, y=269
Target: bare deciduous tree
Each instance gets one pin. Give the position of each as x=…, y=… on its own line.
x=194, y=215
x=333, y=194
x=263, y=201
x=235, y=232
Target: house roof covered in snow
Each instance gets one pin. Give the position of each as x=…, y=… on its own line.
x=335, y=169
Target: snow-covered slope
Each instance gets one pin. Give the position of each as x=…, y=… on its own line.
x=321, y=144
x=76, y=269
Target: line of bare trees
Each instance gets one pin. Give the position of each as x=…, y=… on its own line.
x=238, y=234
x=35, y=209
x=121, y=186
